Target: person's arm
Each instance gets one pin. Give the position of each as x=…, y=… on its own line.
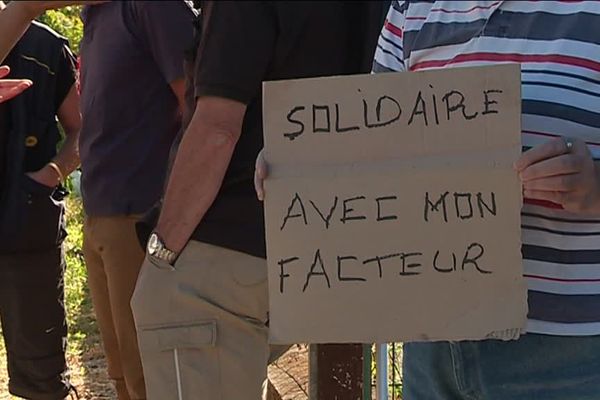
x=199, y=167
x=18, y=14
x=69, y=116
x=231, y=31
x=67, y=159
x=562, y=175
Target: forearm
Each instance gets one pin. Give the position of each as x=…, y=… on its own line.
x=69, y=116
x=200, y=165
x=14, y=21
x=67, y=158
x=195, y=181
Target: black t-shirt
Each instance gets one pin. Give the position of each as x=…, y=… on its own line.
x=247, y=42
x=65, y=75
x=3, y=139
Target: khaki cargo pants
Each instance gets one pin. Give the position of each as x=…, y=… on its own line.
x=202, y=325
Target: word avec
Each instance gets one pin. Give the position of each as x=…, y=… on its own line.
x=463, y=206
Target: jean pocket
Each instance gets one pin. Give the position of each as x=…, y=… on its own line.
x=181, y=360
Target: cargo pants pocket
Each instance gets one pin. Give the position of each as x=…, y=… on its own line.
x=181, y=361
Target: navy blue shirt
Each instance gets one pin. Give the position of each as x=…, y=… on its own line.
x=130, y=53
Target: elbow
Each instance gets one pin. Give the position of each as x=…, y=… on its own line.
x=222, y=139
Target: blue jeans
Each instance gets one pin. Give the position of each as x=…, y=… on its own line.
x=535, y=367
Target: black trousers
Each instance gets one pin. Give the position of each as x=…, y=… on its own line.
x=33, y=324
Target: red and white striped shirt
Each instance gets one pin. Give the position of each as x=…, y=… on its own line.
x=557, y=44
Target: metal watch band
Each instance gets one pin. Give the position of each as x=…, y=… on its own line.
x=166, y=255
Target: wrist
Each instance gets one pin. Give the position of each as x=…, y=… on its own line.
x=57, y=170
x=171, y=235
x=158, y=249
x=45, y=176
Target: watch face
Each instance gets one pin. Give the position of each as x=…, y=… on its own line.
x=153, y=244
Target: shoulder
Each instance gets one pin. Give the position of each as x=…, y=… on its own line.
x=43, y=33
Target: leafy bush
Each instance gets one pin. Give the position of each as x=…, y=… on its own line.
x=67, y=22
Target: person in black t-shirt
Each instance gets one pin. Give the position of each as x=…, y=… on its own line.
x=31, y=212
x=204, y=280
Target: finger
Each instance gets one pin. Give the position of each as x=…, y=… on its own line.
x=559, y=183
x=12, y=83
x=258, y=187
x=562, y=165
x=260, y=174
x=4, y=71
x=551, y=148
x=553, y=197
x=261, y=167
x=580, y=148
x=12, y=89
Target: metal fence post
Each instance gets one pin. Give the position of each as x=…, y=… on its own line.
x=382, y=371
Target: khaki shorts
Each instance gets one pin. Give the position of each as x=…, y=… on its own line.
x=202, y=325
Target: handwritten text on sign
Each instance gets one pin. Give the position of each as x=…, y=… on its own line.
x=392, y=210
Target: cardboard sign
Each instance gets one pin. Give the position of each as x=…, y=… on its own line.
x=392, y=206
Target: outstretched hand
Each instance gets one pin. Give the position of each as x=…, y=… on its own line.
x=10, y=88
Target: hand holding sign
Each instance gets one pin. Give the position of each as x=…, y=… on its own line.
x=562, y=174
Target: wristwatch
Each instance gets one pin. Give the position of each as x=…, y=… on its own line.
x=157, y=249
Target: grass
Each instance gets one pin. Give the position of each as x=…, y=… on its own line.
x=88, y=370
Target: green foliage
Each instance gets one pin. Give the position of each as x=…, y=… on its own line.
x=75, y=273
x=67, y=22
x=77, y=300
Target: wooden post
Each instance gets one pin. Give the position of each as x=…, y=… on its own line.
x=336, y=372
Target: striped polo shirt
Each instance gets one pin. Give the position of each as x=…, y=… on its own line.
x=557, y=44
